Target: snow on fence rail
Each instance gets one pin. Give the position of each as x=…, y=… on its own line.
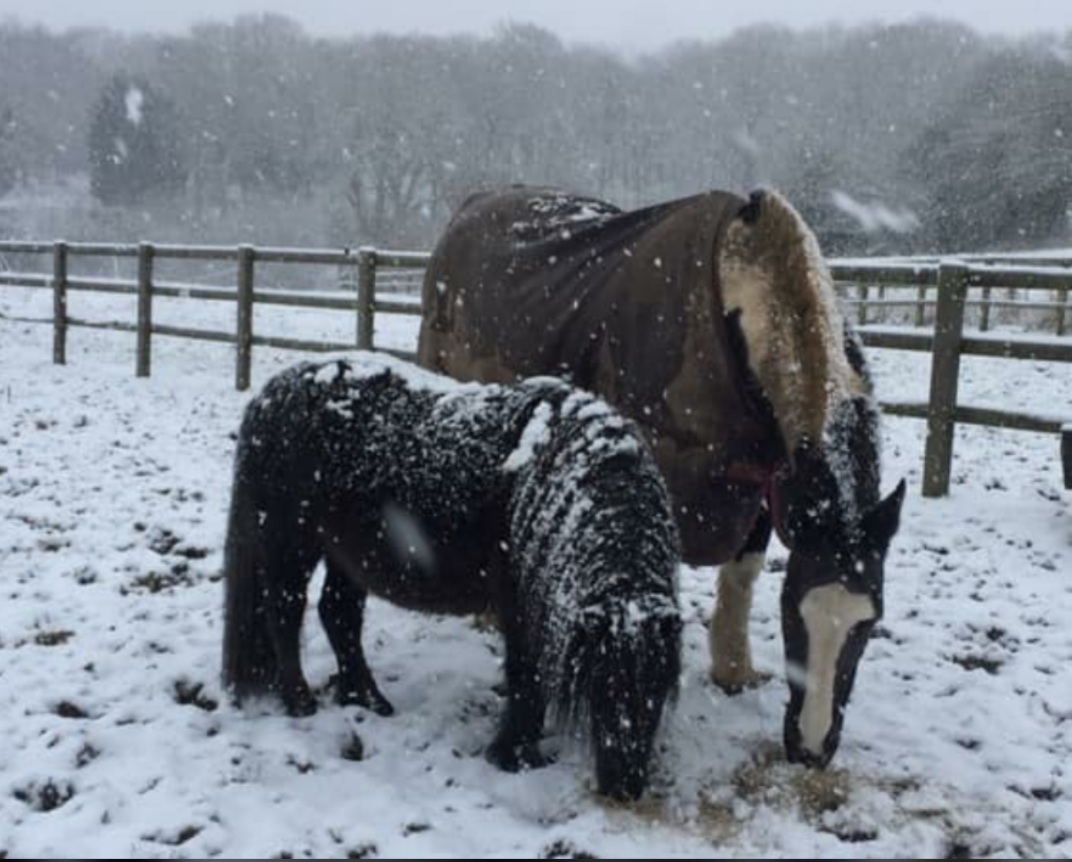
x=985, y=276
x=951, y=282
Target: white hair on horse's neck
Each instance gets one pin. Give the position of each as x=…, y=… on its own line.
x=771, y=269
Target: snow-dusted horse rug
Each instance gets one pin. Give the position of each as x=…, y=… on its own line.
x=535, y=501
x=712, y=322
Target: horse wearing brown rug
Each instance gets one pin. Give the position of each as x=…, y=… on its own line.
x=712, y=322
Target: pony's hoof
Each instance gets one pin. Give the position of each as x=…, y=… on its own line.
x=300, y=705
x=487, y=621
x=511, y=758
x=736, y=683
x=370, y=699
x=379, y=705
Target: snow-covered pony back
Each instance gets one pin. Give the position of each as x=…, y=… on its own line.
x=534, y=500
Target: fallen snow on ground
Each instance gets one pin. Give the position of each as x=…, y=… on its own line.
x=117, y=740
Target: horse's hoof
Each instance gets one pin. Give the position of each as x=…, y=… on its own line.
x=737, y=683
x=511, y=758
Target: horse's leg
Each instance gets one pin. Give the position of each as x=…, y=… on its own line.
x=287, y=580
x=342, y=613
x=516, y=743
x=731, y=653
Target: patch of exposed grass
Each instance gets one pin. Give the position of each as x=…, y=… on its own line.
x=66, y=709
x=53, y=638
x=189, y=693
x=45, y=797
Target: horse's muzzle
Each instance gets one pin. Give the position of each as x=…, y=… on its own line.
x=796, y=752
x=808, y=758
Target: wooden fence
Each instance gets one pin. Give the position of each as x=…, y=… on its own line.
x=363, y=304
x=951, y=283
x=870, y=283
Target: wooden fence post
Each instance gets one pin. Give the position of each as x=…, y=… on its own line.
x=1062, y=309
x=984, y=318
x=945, y=374
x=244, y=358
x=861, y=310
x=921, y=305
x=59, y=303
x=366, y=297
x=145, y=308
x=1066, y=454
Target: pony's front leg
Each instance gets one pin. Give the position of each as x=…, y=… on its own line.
x=342, y=613
x=516, y=743
x=731, y=652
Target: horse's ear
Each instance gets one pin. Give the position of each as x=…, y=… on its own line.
x=881, y=523
x=749, y=213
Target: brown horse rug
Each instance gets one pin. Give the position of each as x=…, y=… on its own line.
x=631, y=305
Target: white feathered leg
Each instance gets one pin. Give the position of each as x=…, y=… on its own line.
x=731, y=653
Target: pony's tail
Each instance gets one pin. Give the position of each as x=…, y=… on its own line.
x=620, y=666
x=250, y=667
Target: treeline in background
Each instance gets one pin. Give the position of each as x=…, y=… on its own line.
x=926, y=137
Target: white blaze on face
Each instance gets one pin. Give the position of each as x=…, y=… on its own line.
x=829, y=613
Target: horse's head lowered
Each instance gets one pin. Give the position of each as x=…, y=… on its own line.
x=811, y=368
x=831, y=600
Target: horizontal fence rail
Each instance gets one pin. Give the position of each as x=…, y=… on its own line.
x=865, y=286
x=363, y=303
x=941, y=289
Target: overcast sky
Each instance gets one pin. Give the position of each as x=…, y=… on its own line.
x=635, y=24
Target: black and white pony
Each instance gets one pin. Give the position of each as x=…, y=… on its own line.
x=535, y=501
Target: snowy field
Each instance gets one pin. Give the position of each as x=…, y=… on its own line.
x=118, y=742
